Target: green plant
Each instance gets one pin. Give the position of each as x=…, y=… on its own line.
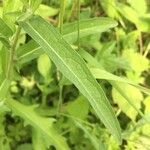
x=48, y=71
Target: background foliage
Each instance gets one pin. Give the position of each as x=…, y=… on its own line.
x=52, y=51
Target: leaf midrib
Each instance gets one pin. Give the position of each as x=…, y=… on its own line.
x=74, y=75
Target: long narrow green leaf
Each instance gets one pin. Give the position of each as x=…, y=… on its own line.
x=87, y=27
x=74, y=68
x=102, y=74
x=32, y=50
x=45, y=125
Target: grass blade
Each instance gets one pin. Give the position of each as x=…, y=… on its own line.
x=74, y=68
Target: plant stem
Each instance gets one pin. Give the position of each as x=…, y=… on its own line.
x=141, y=43
x=60, y=25
x=78, y=24
x=44, y=99
x=12, y=54
x=61, y=15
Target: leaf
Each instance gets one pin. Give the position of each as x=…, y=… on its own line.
x=5, y=41
x=140, y=7
x=147, y=104
x=138, y=62
x=4, y=86
x=87, y=27
x=128, y=12
x=102, y=74
x=10, y=6
x=46, y=11
x=38, y=140
x=44, y=65
x=109, y=6
x=34, y=4
x=135, y=97
x=74, y=68
x=4, y=29
x=96, y=143
x=44, y=125
x=28, y=52
x=32, y=50
x=78, y=108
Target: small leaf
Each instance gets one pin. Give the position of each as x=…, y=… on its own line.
x=78, y=108
x=46, y=11
x=44, y=65
x=138, y=62
x=135, y=96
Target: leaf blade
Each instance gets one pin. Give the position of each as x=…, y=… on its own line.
x=74, y=68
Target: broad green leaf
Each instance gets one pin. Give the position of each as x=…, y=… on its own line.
x=78, y=108
x=4, y=29
x=44, y=125
x=138, y=62
x=134, y=94
x=140, y=7
x=32, y=50
x=129, y=100
x=44, y=65
x=128, y=12
x=74, y=68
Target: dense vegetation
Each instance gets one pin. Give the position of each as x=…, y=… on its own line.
x=74, y=74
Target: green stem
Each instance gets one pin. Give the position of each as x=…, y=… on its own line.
x=44, y=99
x=78, y=24
x=61, y=15
x=60, y=25
x=12, y=54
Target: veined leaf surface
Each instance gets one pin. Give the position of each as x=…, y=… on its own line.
x=74, y=68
